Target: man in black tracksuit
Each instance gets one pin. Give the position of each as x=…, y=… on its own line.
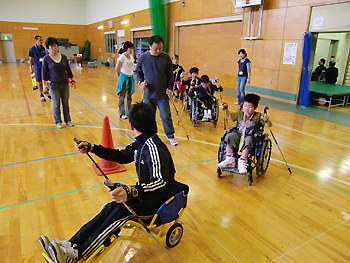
x=156, y=184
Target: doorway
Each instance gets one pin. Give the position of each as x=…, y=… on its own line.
x=7, y=48
x=333, y=47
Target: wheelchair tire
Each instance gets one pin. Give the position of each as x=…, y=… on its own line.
x=174, y=235
x=250, y=179
x=264, y=158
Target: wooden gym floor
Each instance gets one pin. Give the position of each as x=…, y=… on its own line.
x=46, y=187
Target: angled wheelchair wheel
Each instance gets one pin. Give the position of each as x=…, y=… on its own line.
x=264, y=158
x=174, y=235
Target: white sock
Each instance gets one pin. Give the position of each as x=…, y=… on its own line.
x=209, y=113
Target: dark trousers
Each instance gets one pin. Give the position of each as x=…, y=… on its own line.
x=108, y=221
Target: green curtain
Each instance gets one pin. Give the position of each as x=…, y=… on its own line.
x=158, y=12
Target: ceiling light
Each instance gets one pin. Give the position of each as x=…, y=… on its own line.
x=124, y=22
x=100, y=27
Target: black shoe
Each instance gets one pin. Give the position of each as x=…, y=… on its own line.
x=35, y=87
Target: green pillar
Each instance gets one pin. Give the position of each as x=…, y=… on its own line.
x=159, y=20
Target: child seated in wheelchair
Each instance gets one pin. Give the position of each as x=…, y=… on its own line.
x=205, y=92
x=241, y=139
x=193, y=80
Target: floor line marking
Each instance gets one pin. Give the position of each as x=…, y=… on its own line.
x=94, y=186
x=208, y=233
x=25, y=94
x=48, y=157
x=312, y=239
x=311, y=135
x=101, y=114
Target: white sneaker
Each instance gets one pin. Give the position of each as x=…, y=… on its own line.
x=44, y=243
x=70, y=124
x=209, y=114
x=172, y=141
x=59, y=125
x=124, y=117
x=42, y=98
x=242, y=166
x=229, y=161
x=63, y=251
x=205, y=115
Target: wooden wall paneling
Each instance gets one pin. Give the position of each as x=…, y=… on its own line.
x=275, y=4
x=273, y=23
x=192, y=10
x=142, y=33
x=267, y=54
x=212, y=48
x=217, y=8
x=264, y=78
x=296, y=22
x=288, y=81
x=292, y=3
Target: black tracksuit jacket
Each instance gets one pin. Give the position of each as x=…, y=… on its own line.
x=154, y=165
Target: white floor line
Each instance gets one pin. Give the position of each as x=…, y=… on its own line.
x=217, y=241
x=312, y=135
x=325, y=232
x=311, y=171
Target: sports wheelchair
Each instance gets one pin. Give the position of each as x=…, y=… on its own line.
x=171, y=211
x=258, y=157
x=196, y=110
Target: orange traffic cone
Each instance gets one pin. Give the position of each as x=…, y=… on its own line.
x=108, y=167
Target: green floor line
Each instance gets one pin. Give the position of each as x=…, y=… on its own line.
x=313, y=112
x=91, y=187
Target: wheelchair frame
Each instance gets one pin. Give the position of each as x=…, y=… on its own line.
x=258, y=157
x=171, y=239
x=195, y=112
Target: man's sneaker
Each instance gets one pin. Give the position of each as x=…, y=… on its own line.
x=124, y=117
x=48, y=96
x=70, y=124
x=63, y=251
x=42, y=98
x=44, y=243
x=242, y=166
x=59, y=125
x=229, y=161
x=172, y=141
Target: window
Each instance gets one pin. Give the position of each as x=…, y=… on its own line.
x=111, y=42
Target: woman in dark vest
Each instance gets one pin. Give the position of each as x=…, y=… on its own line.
x=243, y=75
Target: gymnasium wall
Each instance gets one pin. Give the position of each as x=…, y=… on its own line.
x=44, y=11
x=23, y=39
x=284, y=21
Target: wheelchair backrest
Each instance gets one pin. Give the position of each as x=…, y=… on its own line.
x=169, y=211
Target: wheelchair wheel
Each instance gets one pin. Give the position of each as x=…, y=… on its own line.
x=174, y=235
x=216, y=113
x=194, y=114
x=264, y=158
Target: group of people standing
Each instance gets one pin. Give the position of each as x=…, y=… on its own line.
x=328, y=75
x=155, y=75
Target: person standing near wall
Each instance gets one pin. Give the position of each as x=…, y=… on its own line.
x=244, y=71
x=331, y=73
x=36, y=57
x=56, y=69
x=155, y=76
x=124, y=68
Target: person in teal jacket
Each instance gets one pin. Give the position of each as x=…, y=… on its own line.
x=126, y=83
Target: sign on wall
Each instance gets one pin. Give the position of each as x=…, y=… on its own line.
x=317, y=23
x=290, y=53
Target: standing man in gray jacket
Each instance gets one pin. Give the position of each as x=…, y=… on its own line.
x=155, y=76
